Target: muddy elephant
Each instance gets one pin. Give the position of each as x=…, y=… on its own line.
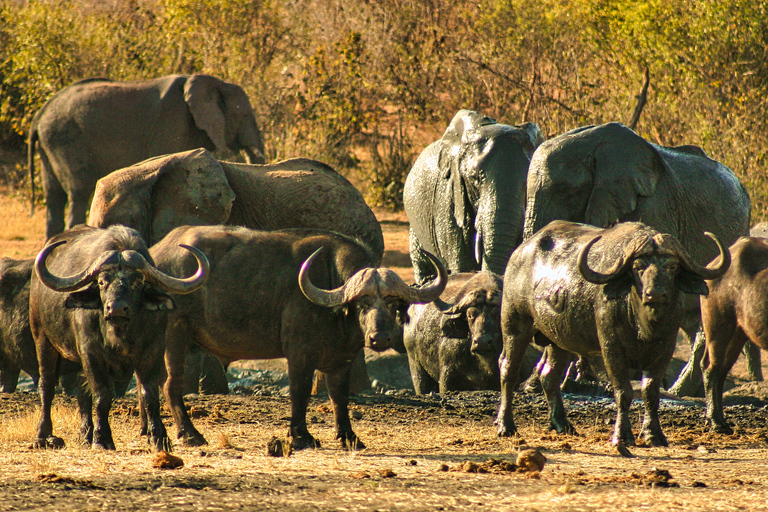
x=604, y=174
x=194, y=188
x=465, y=195
x=94, y=126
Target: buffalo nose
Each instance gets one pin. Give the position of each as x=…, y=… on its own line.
x=482, y=343
x=118, y=308
x=379, y=341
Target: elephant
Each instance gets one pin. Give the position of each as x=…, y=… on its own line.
x=605, y=174
x=194, y=188
x=465, y=194
x=94, y=126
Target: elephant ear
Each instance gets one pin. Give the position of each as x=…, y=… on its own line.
x=162, y=193
x=625, y=167
x=201, y=92
x=456, y=146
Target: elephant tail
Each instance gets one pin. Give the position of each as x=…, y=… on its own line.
x=33, y=138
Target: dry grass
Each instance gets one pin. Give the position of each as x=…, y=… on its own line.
x=21, y=235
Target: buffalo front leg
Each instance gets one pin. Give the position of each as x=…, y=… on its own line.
x=422, y=382
x=615, y=364
x=557, y=360
x=301, y=370
x=651, y=431
x=149, y=392
x=102, y=393
x=178, y=335
x=517, y=332
x=48, y=359
x=85, y=406
x=338, y=390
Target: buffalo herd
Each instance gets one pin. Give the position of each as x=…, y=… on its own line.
x=616, y=275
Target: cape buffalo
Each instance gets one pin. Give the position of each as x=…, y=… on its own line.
x=455, y=345
x=630, y=314
x=98, y=300
x=17, y=348
x=268, y=298
x=734, y=313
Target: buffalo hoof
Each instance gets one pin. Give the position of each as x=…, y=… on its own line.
x=623, y=441
x=50, y=442
x=657, y=439
x=103, y=445
x=623, y=450
x=305, y=441
x=161, y=444
x=351, y=443
x=193, y=439
x=506, y=430
x=563, y=428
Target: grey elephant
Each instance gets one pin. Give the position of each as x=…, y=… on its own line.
x=605, y=174
x=465, y=195
x=94, y=126
x=194, y=188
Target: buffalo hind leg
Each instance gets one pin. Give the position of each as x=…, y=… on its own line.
x=717, y=362
x=85, y=406
x=338, y=390
x=149, y=393
x=557, y=361
x=422, y=382
x=101, y=390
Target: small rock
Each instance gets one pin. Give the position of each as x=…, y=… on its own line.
x=698, y=484
x=704, y=449
x=387, y=473
x=357, y=415
x=531, y=460
x=360, y=475
x=165, y=460
x=411, y=463
x=443, y=467
x=472, y=467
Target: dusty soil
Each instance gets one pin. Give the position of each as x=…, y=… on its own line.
x=423, y=452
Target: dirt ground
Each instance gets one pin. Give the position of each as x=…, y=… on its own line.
x=423, y=452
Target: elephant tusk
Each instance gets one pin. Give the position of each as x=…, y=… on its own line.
x=479, y=250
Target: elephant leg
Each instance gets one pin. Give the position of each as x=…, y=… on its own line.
x=55, y=201
x=79, y=202
x=690, y=382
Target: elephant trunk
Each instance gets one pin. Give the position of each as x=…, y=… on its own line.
x=498, y=224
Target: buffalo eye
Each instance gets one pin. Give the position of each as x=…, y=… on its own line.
x=671, y=266
x=639, y=266
x=393, y=304
x=472, y=313
x=104, y=280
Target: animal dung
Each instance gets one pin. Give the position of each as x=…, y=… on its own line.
x=165, y=460
x=531, y=460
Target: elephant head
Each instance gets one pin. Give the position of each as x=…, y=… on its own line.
x=194, y=179
x=223, y=111
x=595, y=174
x=483, y=165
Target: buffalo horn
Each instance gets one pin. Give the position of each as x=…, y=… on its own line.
x=175, y=284
x=428, y=292
x=595, y=277
x=71, y=283
x=705, y=272
x=325, y=298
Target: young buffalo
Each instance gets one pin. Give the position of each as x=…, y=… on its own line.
x=630, y=314
x=455, y=345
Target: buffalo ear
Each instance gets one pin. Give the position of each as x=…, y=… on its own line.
x=617, y=289
x=202, y=92
x=691, y=283
x=90, y=298
x=454, y=326
x=153, y=299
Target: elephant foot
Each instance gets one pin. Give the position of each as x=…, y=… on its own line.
x=304, y=441
x=350, y=442
x=720, y=428
x=50, y=442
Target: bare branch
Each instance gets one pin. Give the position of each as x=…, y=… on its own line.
x=641, y=100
